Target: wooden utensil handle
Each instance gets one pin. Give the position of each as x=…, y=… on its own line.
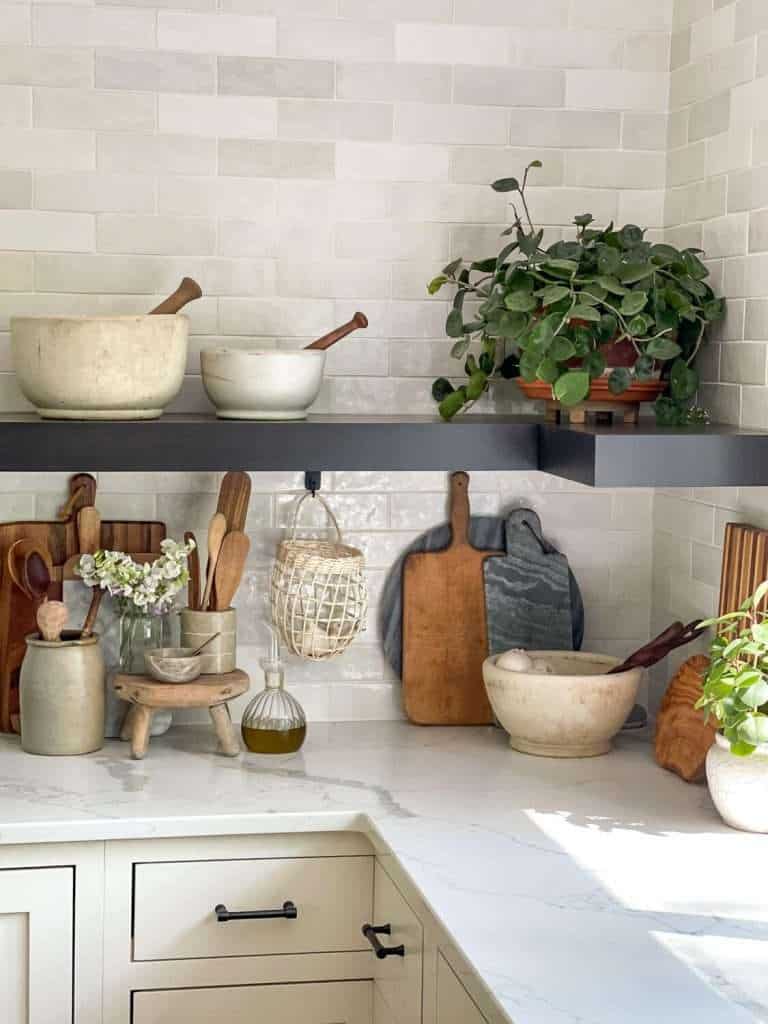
x=187, y=291
x=93, y=611
x=459, y=509
x=358, y=320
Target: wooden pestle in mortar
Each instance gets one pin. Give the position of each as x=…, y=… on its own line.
x=187, y=291
x=358, y=320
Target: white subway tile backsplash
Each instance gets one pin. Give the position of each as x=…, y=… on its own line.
x=46, y=150
x=565, y=129
x=262, y=159
x=15, y=190
x=64, y=25
x=328, y=119
x=94, y=191
x=253, y=76
x=27, y=65
x=616, y=90
x=147, y=154
x=218, y=33
x=380, y=80
x=155, y=70
x=450, y=124
x=174, y=236
x=336, y=39
x=15, y=106
x=15, y=22
x=33, y=229
x=81, y=108
x=531, y=87
x=218, y=116
x=453, y=44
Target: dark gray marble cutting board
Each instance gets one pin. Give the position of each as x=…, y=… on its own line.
x=489, y=533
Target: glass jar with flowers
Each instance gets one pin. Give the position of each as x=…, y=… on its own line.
x=143, y=594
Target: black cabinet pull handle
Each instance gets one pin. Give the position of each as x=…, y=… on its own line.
x=288, y=910
x=372, y=932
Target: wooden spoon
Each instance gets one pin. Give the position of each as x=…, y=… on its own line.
x=230, y=567
x=93, y=611
x=51, y=619
x=187, y=291
x=358, y=320
x=217, y=529
x=14, y=561
x=193, y=565
x=89, y=530
x=37, y=576
x=234, y=496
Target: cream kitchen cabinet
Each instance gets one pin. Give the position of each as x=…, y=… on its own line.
x=454, y=1004
x=398, y=974
x=36, y=945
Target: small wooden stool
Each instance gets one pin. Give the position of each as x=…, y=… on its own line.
x=146, y=695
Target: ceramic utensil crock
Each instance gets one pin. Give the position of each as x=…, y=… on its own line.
x=196, y=627
x=62, y=695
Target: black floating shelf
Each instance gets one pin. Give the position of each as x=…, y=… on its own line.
x=622, y=456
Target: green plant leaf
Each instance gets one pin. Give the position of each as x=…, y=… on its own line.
x=567, y=266
x=436, y=283
x=760, y=632
x=638, y=325
x=754, y=729
x=662, y=348
x=454, y=325
x=693, y=265
x=608, y=260
x=630, y=235
x=662, y=255
x=644, y=368
x=561, y=349
x=441, y=388
x=484, y=266
x=453, y=403
x=529, y=364
x=476, y=385
x=619, y=380
x=542, y=333
x=552, y=293
x=611, y=284
x=572, y=387
x=742, y=749
x=506, y=185
x=633, y=302
x=512, y=325
x=520, y=302
x=760, y=594
x=756, y=695
x=714, y=309
x=582, y=340
x=548, y=370
x=608, y=328
x=594, y=364
x=683, y=380
x=459, y=348
x=452, y=267
x=631, y=273
x=582, y=312
x=694, y=287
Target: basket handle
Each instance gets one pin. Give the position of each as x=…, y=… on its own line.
x=328, y=512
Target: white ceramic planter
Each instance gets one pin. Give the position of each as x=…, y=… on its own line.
x=100, y=367
x=262, y=384
x=739, y=785
x=574, y=712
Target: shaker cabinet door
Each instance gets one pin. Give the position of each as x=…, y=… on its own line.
x=398, y=978
x=36, y=945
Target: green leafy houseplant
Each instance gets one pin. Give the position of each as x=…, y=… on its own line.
x=561, y=314
x=735, y=690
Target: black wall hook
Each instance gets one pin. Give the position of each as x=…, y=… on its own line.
x=313, y=481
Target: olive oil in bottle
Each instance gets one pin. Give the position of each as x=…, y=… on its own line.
x=274, y=721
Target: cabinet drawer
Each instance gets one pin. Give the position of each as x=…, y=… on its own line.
x=399, y=979
x=454, y=1004
x=174, y=901
x=343, y=1002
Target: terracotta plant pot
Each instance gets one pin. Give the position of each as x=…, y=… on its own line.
x=639, y=391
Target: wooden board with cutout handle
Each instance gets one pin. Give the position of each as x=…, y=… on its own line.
x=444, y=626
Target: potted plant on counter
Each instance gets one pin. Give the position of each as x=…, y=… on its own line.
x=605, y=315
x=735, y=694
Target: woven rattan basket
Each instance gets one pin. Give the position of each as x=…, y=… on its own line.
x=318, y=593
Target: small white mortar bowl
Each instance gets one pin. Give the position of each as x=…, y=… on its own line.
x=100, y=367
x=262, y=384
x=574, y=712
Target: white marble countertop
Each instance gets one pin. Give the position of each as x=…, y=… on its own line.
x=602, y=891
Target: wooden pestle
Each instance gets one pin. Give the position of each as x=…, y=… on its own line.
x=187, y=291
x=358, y=320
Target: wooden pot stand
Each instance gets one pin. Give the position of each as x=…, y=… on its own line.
x=146, y=695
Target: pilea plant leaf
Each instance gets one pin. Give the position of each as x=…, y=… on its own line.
x=572, y=387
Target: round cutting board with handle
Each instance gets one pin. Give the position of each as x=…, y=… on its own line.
x=444, y=626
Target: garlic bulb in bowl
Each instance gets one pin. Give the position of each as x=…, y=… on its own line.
x=516, y=660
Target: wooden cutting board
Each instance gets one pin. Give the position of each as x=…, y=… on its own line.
x=444, y=626
x=745, y=564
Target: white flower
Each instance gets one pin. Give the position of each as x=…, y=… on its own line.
x=152, y=585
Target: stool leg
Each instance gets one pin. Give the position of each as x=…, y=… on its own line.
x=142, y=722
x=126, y=729
x=222, y=723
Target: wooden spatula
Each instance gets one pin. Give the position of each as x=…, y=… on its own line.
x=217, y=529
x=234, y=496
x=193, y=565
x=89, y=530
x=230, y=567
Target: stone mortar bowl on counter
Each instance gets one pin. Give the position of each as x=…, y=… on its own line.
x=574, y=710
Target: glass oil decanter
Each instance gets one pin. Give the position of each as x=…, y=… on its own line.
x=274, y=722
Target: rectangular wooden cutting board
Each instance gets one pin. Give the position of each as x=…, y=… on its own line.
x=444, y=626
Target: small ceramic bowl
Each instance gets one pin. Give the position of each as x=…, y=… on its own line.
x=262, y=384
x=173, y=664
